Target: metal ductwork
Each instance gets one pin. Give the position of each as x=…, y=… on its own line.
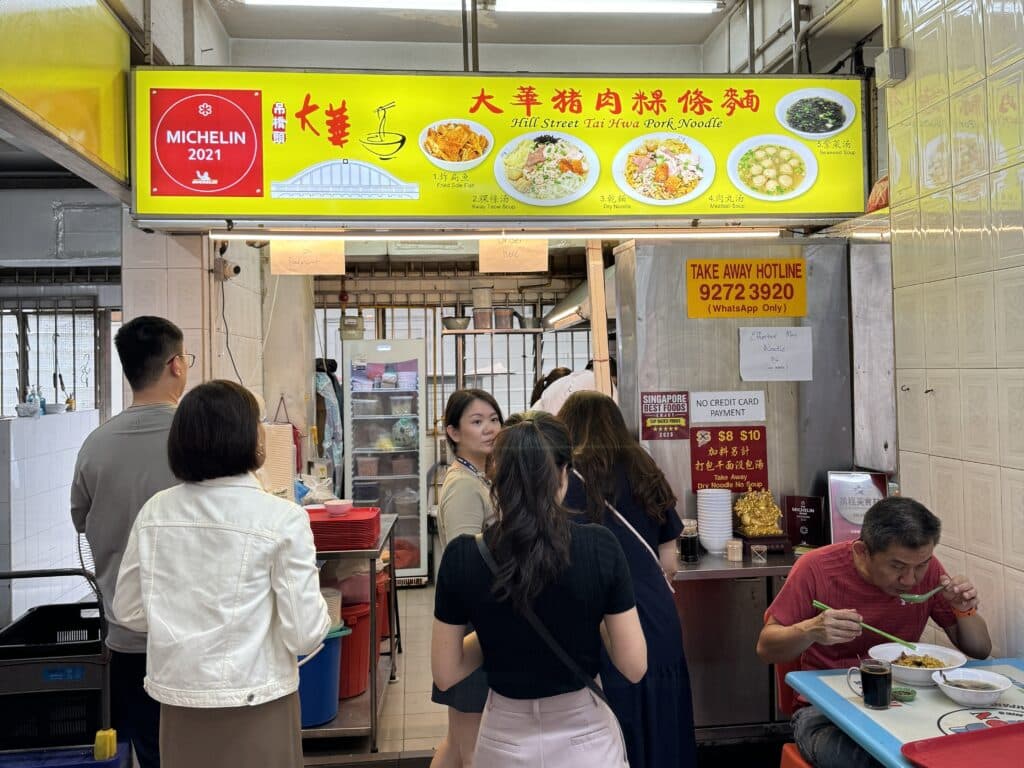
x=575, y=307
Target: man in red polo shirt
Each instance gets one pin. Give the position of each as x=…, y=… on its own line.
x=865, y=578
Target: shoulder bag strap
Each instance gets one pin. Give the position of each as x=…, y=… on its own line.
x=629, y=526
x=541, y=630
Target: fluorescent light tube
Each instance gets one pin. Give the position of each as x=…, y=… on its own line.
x=398, y=235
x=385, y=5
x=607, y=6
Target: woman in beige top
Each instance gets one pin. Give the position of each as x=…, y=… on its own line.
x=472, y=420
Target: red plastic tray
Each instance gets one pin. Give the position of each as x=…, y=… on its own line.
x=992, y=748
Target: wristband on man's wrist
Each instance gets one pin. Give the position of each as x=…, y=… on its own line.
x=964, y=614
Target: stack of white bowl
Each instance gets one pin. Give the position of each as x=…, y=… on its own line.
x=714, y=518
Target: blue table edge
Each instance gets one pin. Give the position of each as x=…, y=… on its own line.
x=874, y=738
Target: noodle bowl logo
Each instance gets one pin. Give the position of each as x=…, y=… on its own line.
x=980, y=718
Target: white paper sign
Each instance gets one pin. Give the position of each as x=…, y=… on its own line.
x=307, y=257
x=726, y=407
x=775, y=354
x=509, y=254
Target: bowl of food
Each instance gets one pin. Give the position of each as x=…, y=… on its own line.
x=383, y=144
x=456, y=144
x=916, y=667
x=973, y=687
x=455, y=323
x=56, y=408
x=772, y=167
x=815, y=113
x=546, y=168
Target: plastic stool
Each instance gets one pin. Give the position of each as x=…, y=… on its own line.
x=791, y=757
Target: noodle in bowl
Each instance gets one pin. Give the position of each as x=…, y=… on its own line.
x=663, y=169
x=920, y=676
x=546, y=168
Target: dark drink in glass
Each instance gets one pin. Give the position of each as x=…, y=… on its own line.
x=876, y=681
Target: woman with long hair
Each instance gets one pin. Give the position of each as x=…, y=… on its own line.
x=617, y=484
x=472, y=419
x=572, y=579
x=223, y=577
x=545, y=381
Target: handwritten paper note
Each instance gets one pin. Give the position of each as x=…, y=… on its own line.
x=775, y=354
x=510, y=254
x=307, y=257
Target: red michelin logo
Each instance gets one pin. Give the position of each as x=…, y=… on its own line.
x=205, y=143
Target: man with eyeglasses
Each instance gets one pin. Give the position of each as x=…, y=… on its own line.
x=120, y=466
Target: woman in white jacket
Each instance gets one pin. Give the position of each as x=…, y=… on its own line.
x=222, y=576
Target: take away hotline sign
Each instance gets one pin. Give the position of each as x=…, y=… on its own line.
x=263, y=144
x=746, y=287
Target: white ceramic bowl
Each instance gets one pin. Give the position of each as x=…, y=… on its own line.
x=27, y=409
x=56, y=407
x=973, y=698
x=921, y=676
x=849, y=110
x=805, y=154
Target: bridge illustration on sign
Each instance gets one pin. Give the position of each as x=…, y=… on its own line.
x=344, y=180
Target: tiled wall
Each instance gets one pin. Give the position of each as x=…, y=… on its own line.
x=956, y=143
x=37, y=463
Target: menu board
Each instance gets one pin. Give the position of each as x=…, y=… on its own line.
x=729, y=457
x=404, y=146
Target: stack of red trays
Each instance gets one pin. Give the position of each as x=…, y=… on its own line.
x=359, y=528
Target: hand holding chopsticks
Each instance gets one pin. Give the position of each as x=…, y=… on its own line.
x=822, y=607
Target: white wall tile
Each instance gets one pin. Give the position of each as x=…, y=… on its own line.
x=953, y=560
x=1008, y=217
x=1004, y=29
x=1009, y=315
x=904, y=184
x=968, y=112
x=139, y=249
x=944, y=427
x=1011, y=417
x=933, y=139
x=908, y=319
x=940, y=324
x=979, y=398
x=947, y=491
x=983, y=511
x=185, y=297
x=976, y=323
x=937, y=251
x=915, y=477
x=1013, y=517
x=987, y=577
x=924, y=9
x=1013, y=583
x=185, y=252
x=912, y=411
x=901, y=102
x=930, y=61
x=144, y=292
x=965, y=41
x=1006, y=116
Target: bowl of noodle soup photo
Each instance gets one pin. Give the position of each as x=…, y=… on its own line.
x=772, y=168
x=546, y=168
x=663, y=169
x=915, y=667
x=456, y=144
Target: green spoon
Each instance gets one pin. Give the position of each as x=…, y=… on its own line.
x=908, y=598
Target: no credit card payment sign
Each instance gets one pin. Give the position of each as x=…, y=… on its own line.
x=206, y=143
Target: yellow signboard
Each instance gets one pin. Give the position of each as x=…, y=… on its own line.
x=279, y=144
x=746, y=288
x=64, y=66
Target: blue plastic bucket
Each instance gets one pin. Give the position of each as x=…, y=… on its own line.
x=318, y=681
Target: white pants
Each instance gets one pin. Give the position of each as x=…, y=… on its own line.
x=571, y=730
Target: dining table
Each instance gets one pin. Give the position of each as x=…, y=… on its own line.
x=884, y=732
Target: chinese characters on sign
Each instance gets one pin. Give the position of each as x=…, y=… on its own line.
x=850, y=495
x=664, y=415
x=746, y=288
x=729, y=457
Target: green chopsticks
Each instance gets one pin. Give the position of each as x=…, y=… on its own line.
x=822, y=607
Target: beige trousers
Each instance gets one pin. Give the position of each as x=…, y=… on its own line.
x=572, y=730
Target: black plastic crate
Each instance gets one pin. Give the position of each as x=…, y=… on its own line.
x=71, y=629
x=43, y=720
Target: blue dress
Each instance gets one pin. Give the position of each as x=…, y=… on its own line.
x=656, y=714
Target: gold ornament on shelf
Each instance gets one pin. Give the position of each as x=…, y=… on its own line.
x=758, y=514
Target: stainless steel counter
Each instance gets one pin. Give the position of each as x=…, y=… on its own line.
x=714, y=567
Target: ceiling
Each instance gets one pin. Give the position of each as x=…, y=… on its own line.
x=21, y=168
x=296, y=22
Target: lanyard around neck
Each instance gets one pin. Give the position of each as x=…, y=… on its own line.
x=476, y=472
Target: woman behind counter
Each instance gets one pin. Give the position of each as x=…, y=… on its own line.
x=573, y=578
x=472, y=419
x=223, y=578
x=611, y=468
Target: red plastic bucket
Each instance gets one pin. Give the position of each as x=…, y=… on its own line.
x=355, y=661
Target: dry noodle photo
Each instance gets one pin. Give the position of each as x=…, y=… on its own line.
x=664, y=169
x=455, y=142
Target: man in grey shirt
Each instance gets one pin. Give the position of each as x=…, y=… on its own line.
x=120, y=466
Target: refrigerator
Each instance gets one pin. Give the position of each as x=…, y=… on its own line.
x=383, y=415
